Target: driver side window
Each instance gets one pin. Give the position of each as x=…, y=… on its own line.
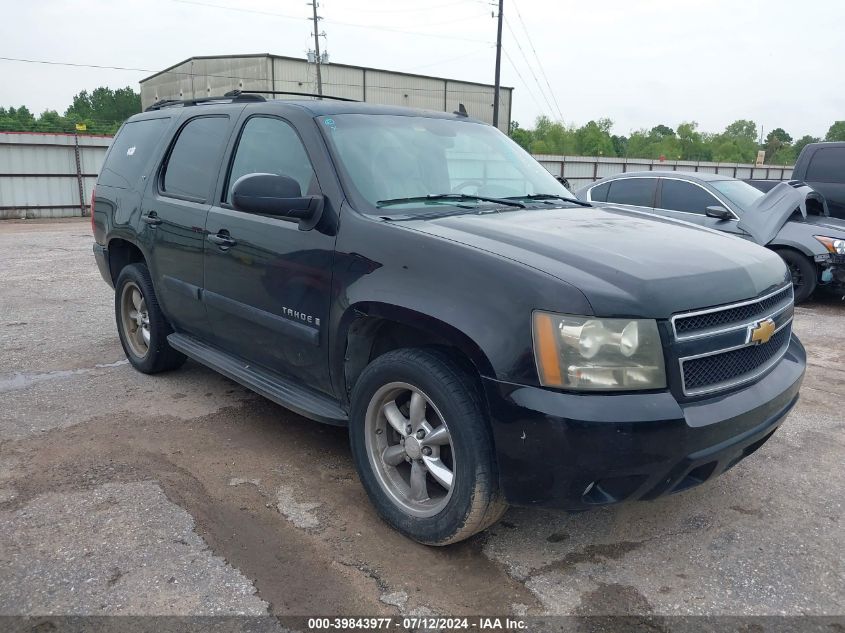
x=271, y=146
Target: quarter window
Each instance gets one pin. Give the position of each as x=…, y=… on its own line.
x=271, y=146
x=635, y=191
x=677, y=195
x=827, y=165
x=194, y=159
x=131, y=151
x=599, y=192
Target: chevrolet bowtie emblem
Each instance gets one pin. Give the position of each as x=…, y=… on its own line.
x=761, y=331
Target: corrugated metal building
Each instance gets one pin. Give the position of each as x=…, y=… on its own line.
x=39, y=176
x=210, y=76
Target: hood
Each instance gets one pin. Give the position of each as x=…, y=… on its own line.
x=626, y=263
x=765, y=219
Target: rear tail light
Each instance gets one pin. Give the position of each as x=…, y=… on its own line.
x=91, y=210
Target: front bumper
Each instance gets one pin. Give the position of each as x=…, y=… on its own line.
x=101, y=255
x=576, y=451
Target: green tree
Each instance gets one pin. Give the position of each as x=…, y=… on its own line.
x=693, y=144
x=661, y=131
x=102, y=111
x=521, y=136
x=620, y=145
x=552, y=137
x=836, y=132
x=593, y=139
x=737, y=144
x=802, y=142
x=778, y=147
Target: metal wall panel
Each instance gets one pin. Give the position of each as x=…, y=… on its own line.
x=204, y=76
x=38, y=176
x=405, y=90
x=582, y=170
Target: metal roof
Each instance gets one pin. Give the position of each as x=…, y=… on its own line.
x=299, y=59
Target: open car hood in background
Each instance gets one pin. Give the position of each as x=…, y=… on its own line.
x=765, y=219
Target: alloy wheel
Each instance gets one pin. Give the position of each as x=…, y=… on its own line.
x=410, y=449
x=135, y=319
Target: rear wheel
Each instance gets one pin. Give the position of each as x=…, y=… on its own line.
x=141, y=325
x=804, y=274
x=423, y=448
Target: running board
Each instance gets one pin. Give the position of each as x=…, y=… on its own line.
x=262, y=381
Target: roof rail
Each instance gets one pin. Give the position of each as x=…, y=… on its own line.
x=228, y=97
x=236, y=93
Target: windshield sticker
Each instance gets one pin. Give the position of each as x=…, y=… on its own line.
x=330, y=123
x=130, y=151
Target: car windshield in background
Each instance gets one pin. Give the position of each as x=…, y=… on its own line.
x=740, y=193
x=389, y=158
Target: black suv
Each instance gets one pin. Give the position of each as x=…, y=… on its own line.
x=416, y=276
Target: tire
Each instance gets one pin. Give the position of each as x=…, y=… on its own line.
x=141, y=325
x=432, y=513
x=804, y=274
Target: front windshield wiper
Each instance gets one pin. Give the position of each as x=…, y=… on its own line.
x=508, y=202
x=551, y=196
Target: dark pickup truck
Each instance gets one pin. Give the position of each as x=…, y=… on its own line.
x=416, y=276
x=822, y=166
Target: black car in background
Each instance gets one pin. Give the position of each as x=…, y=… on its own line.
x=822, y=167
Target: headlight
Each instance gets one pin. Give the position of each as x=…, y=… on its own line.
x=590, y=354
x=832, y=244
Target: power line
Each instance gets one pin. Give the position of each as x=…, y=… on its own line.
x=216, y=76
x=530, y=69
x=341, y=23
x=524, y=83
x=537, y=57
x=418, y=9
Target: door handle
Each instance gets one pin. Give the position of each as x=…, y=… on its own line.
x=222, y=240
x=152, y=218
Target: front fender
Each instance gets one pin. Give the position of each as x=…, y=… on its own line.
x=479, y=300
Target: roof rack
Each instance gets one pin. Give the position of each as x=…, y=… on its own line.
x=237, y=93
x=232, y=97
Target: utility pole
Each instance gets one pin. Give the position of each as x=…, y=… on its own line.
x=498, y=65
x=317, y=47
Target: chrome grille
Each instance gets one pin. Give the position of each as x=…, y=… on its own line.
x=726, y=367
x=738, y=314
x=715, y=346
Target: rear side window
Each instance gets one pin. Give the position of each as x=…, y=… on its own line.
x=636, y=191
x=194, y=159
x=131, y=151
x=677, y=195
x=599, y=192
x=827, y=165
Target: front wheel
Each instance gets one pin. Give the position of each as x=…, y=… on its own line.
x=804, y=274
x=423, y=448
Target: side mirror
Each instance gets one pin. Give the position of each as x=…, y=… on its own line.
x=719, y=212
x=278, y=196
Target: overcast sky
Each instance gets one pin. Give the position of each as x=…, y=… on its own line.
x=637, y=62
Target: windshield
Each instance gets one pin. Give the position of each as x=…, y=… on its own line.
x=740, y=193
x=387, y=157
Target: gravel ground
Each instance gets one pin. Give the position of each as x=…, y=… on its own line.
x=185, y=493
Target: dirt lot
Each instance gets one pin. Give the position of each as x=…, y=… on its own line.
x=185, y=493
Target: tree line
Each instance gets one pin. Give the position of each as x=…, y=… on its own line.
x=100, y=111
x=103, y=110
x=738, y=143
